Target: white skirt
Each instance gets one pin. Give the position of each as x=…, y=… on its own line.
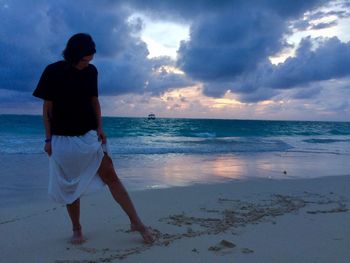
x=73, y=166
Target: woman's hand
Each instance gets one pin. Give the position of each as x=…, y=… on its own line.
x=101, y=135
x=48, y=148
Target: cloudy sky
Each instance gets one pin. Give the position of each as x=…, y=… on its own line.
x=244, y=59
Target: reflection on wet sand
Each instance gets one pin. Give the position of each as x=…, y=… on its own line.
x=159, y=171
x=198, y=169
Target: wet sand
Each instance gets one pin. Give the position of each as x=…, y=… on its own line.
x=255, y=220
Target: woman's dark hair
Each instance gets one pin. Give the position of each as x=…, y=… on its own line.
x=78, y=46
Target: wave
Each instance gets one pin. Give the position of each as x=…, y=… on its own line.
x=24, y=135
x=326, y=140
x=339, y=132
x=205, y=134
x=176, y=145
x=205, y=146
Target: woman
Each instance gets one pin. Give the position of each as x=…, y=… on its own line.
x=75, y=141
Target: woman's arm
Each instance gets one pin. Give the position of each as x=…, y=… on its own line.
x=97, y=109
x=47, y=113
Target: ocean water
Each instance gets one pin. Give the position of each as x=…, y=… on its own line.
x=21, y=134
x=179, y=152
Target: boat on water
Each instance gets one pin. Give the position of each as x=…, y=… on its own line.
x=151, y=116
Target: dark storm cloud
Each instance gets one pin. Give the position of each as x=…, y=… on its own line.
x=307, y=93
x=324, y=25
x=306, y=25
x=181, y=10
x=21, y=55
x=34, y=33
x=229, y=50
x=323, y=14
x=301, y=25
x=230, y=42
x=163, y=79
x=190, y=10
x=226, y=45
x=259, y=94
x=329, y=60
x=227, y=38
x=311, y=21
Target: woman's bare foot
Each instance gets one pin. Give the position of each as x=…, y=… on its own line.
x=77, y=238
x=144, y=231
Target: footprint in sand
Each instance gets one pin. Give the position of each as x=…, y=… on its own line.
x=223, y=246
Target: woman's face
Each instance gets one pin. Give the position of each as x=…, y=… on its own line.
x=84, y=62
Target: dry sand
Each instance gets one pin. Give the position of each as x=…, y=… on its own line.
x=260, y=220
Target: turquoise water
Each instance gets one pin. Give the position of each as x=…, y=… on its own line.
x=20, y=134
x=133, y=127
x=178, y=152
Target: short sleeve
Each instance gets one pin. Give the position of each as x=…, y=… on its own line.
x=44, y=87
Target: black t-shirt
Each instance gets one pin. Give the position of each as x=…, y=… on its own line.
x=71, y=91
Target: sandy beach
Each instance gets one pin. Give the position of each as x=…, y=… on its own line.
x=227, y=123
x=254, y=220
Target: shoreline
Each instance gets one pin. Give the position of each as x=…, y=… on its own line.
x=25, y=176
x=253, y=220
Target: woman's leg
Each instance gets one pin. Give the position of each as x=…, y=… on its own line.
x=74, y=214
x=120, y=195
